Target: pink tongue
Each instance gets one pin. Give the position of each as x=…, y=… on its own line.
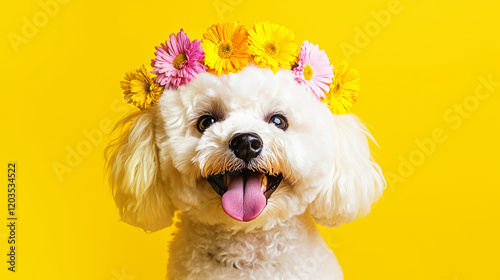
x=244, y=200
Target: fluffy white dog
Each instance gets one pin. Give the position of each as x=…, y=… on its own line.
x=249, y=160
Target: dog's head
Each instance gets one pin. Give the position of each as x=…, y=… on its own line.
x=245, y=150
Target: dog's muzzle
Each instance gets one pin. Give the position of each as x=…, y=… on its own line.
x=244, y=193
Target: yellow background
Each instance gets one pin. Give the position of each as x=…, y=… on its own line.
x=438, y=218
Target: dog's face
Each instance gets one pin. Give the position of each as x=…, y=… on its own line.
x=245, y=150
x=244, y=147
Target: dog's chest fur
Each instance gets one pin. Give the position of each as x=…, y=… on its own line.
x=291, y=251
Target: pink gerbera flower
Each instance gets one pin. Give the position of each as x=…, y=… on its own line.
x=314, y=70
x=178, y=61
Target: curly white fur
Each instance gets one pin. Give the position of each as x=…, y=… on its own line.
x=159, y=164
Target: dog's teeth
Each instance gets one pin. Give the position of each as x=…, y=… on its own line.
x=264, y=183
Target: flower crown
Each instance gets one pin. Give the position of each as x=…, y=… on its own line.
x=228, y=48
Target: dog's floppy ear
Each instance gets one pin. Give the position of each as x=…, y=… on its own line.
x=133, y=167
x=355, y=181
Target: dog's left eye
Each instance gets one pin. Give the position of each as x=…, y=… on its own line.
x=204, y=123
x=279, y=121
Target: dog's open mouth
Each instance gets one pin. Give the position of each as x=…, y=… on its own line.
x=244, y=193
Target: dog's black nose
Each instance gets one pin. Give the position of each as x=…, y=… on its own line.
x=246, y=145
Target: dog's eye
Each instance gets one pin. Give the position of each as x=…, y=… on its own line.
x=204, y=123
x=279, y=121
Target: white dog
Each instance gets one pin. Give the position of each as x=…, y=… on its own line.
x=249, y=160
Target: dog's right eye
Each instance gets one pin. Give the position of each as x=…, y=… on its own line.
x=204, y=123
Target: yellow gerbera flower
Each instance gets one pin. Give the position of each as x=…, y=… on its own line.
x=272, y=46
x=343, y=90
x=226, y=47
x=140, y=89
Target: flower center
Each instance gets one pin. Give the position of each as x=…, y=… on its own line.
x=225, y=49
x=336, y=89
x=179, y=61
x=147, y=88
x=271, y=48
x=308, y=72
